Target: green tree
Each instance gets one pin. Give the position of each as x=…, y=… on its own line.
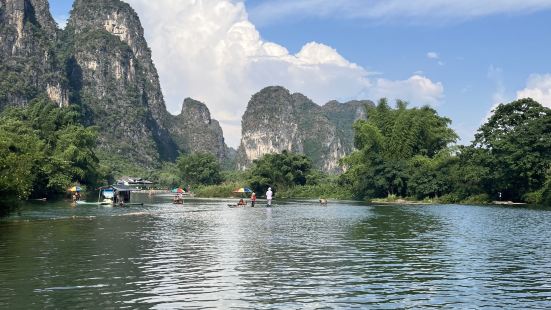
x=388, y=142
x=44, y=150
x=546, y=191
x=199, y=168
x=515, y=143
x=167, y=176
x=280, y=171
x=20, y=155
x=431, y=177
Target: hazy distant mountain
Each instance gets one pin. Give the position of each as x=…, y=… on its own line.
x=276, y=120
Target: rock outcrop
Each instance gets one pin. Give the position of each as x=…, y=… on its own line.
x=102, y=62
x=114, y=78
x=343, y=115
x=29, y=64
x=194, y=131
x=276, y=120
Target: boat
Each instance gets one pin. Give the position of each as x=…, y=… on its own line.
x=116, y=195
x=83, y=203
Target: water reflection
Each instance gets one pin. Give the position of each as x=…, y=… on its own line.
x=297, y=255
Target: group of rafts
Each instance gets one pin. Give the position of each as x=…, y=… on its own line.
x=119, y=195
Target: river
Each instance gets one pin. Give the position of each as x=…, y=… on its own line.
x=296, y=255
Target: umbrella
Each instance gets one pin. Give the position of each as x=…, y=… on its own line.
x=243, y=190
x=178, y=190
x=75, y=189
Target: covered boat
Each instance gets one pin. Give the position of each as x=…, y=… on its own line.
x=116, y=195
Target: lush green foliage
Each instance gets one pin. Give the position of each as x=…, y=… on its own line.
x=223, y=190
x=43, y=150
x=329, y=189
x=167, y=177
x=404, y=152
x=199, y=169
x=318, y=185
x=546, y=191
x=279, y=171
x=396, y=148
x=515, y=148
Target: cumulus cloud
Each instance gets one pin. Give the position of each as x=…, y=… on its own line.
x=417, y=89
x=433, y=55
x=413, y=10
x=209, y=50
x=538, y=87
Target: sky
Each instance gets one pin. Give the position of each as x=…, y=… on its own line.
x=461, y=57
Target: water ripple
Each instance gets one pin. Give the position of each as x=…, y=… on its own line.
x=295, y=256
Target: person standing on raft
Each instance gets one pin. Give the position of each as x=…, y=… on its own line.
x=253, y=199
x=269, y=196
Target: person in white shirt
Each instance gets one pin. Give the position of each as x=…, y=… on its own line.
x=269, y=196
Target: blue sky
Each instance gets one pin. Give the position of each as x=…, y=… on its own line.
x=478, y=55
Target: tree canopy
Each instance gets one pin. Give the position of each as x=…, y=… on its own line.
x=514, y=146
x=391, y=145
x=44, y=149
x=279, y=171
x=199, y=168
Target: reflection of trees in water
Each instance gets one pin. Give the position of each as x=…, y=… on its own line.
x=8, y=207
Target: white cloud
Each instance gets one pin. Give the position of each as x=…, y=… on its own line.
x=417, y=90
x=538, y=87
x=210, y=51
x=433, y=55
x=415, y=10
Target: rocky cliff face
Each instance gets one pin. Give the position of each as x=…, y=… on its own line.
x=343, y=115
x=276, y=120
x=113, y=76
x=29, y=66
x=194, y=131
x=101, y=62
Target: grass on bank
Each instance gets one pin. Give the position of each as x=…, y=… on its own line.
x=330, y=190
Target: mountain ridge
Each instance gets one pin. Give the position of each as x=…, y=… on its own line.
x=101, y=62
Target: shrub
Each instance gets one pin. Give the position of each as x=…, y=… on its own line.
x=478, y=199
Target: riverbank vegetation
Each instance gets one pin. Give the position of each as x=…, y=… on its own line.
x=43, y=150
x=409, y=153
x=401, y=153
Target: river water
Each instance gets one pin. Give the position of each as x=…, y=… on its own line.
x=296, y=255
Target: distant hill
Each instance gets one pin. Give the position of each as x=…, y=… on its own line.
x=343, y=115
x=276, y=120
